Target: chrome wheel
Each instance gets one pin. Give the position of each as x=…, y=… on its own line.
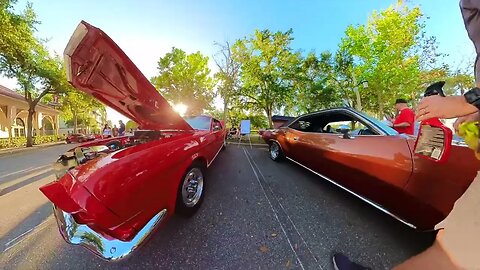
x=274, y=151
x=192, y=187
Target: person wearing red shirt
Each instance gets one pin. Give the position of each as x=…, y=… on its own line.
x=405, y=120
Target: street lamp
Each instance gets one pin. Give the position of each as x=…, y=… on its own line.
x=358, y=104
x=364, y=82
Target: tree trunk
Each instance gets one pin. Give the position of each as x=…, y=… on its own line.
x=380, y=105
x=358, y=104
x=225, y=107
x=269, y=116
x=75, y=123
x=31, y=111
x=358, y=101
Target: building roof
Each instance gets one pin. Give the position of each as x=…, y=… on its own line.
x=4, y=91
x=282, y=118
x=9, y=93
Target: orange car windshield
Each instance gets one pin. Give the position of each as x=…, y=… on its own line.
x=388, y=130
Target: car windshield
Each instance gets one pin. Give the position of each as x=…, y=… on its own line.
x=199, y=122
x=388, y=130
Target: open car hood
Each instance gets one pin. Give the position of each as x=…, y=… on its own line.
x=97, y=66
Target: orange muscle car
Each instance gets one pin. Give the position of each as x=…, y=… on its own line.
x=376, y=164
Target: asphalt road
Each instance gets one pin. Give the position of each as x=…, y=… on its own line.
x=257, y=214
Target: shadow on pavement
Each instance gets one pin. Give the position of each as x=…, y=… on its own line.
x=26, y=225
x=25, y=182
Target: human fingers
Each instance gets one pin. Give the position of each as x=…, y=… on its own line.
x=425, y=116
x=457, y=123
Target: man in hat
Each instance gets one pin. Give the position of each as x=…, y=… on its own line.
x=405, y=120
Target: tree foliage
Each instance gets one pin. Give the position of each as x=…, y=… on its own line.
x=185, y=79
x=81, y=109
x=227, y=76
x=390, y=51
x=131, y=125
x=24, y=57
x=317, y=84
x=268, y=70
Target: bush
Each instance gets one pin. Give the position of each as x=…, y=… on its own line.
x=22, y=141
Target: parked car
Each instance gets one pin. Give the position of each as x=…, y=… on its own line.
x=76, y=138
x=375, y=164
x=80, y=138
x=111, y=194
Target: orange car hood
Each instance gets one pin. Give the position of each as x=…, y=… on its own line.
x=97, y=66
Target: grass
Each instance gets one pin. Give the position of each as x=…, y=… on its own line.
x=255, y=138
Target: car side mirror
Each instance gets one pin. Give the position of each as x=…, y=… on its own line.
x=345, y=130
x=217, y=127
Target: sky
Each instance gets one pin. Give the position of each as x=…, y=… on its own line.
x=148, y=29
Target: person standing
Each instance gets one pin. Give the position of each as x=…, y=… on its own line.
x=457, y=246
x=106, y=132
x=121, y=130
x=115, y=131
x=404, y=122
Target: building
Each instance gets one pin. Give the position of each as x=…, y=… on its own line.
x=14, y=113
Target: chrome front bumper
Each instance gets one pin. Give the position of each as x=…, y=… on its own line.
x=108, y=249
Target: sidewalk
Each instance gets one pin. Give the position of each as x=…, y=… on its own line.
x=8, y=151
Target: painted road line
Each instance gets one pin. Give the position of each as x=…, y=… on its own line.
x=303, y=252
x=283, y=209
x=25, y=170
x=273, y=210
x=13, y=182
x=32, y=231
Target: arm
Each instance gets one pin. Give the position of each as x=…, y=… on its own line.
x=402, y=124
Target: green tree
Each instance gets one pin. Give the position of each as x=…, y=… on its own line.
x=390, y=51
x=234, y=117
x=79, y=108
x=269, y=70
x=185, y=79
x=317, y=84
x=258, y=121
x=459, y=82
x=24, y=57
x=217, y=114
x=227, y=76
x=130, y=125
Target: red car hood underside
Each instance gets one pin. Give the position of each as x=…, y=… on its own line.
x=97, y=66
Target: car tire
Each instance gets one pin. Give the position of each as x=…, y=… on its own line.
x=275, y=152
x=191, y=190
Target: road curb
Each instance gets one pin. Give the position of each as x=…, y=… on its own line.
x=9, y=151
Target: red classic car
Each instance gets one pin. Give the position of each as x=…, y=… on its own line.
x=370, y=160
x=111, y=194
x=77, y=138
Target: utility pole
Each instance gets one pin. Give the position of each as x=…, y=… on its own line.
x=358, y=103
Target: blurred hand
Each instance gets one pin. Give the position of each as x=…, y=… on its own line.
x=444, y=107
x=467, y=118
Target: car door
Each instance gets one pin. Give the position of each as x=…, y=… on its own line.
x=293, y=142
x=375, y=166
x=219, y=135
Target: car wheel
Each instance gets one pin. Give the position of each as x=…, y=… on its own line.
x=275, y=152
x=191, y=190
